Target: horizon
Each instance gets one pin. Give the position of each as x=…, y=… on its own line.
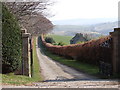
x=84, y=21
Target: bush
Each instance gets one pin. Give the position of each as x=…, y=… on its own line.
x=55, y=43
x=61, y=44
x=49, y=40
x=80, y=42
x=11, y=42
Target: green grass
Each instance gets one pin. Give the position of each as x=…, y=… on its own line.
x=84, y=67
x=20, y=79
x=59, y=38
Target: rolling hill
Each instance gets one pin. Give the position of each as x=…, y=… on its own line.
x=96, y=29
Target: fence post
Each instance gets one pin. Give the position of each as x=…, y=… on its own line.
x=116, y=50
x=26, y=69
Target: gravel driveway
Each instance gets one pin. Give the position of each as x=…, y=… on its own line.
x=54, y=71
x=57, y=75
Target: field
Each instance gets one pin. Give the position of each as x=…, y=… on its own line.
x=58, y=38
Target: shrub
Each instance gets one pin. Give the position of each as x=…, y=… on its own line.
x=49, y=40
x=61, y=43
x=11, y=42
x=80, y=42
x=55, y=43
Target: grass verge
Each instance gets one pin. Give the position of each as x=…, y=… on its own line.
x=80, y=66
x=24, y=80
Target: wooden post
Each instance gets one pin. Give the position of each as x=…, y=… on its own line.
x=116, y=50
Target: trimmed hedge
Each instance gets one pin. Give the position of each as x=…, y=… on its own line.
x=90, y=52
x=11, y=42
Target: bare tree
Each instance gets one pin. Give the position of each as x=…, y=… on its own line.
x=28, y=8
x=31, y=15
x=37, y=24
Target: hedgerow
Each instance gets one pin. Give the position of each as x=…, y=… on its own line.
x=91, y=52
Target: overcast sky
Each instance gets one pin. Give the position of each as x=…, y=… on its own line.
x=73, y=9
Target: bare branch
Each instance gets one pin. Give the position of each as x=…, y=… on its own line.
x=30, y=16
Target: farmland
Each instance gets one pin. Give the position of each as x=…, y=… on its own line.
x=59, y=38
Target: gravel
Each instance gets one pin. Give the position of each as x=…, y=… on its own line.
x=70, y=84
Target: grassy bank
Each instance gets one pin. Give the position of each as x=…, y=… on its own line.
x=19, y=79
x=59, y=38
x=87, y=68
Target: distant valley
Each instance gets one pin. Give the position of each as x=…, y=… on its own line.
x=95, y=29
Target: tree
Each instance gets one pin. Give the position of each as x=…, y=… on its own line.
x=49, y=40
x=31, y=16
x=28, y=8
x=37, y=24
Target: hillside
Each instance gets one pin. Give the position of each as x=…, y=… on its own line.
x=96, y=29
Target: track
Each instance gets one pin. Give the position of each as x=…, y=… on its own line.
x=54, y=71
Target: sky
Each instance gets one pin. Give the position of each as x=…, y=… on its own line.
x=73, y=9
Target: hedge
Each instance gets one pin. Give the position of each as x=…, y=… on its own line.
x=11, y=42
x=90, y=52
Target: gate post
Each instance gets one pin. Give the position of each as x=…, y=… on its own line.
x=116, y=50
x=26, y=69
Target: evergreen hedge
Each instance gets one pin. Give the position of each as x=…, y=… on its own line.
x=11, y=42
